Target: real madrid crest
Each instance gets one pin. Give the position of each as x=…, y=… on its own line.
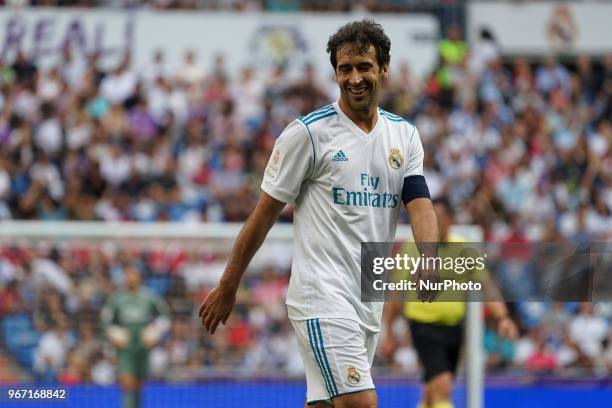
x=274, y=164
x=395, y=158
x=353, y=376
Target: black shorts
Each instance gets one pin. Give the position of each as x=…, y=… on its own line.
x=437, y=346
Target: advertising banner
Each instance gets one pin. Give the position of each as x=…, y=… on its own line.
x=535, y=28
x=260, y=40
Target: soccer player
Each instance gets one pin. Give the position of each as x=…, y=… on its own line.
x=347, y=168
x=437, y=328
x=134, y=320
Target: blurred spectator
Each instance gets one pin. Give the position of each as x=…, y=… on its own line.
x=52, y=350
x=103, y=370
x=484, y=51
x=453, y=49
x=11, y=301
x=157, y=70
x=551, y=75
x=542, y=360
x=589, y=331
x=608, y=353
x=75, y=371
x=25, y=70
x=88, y=345
x=499, y=351
x=119, y=85
x=190, y=73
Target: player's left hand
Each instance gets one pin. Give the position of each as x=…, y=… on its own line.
x=432, y=277
x=150, y=336
x=217, y=307
x=506, y=328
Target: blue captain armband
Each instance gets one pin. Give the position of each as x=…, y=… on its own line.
x=414, y=187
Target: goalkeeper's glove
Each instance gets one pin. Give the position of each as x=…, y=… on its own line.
x=153, y=332
x=119, y=336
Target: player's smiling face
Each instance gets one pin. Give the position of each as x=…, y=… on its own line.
x=359, y=77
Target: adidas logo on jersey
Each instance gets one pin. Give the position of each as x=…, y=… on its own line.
x=340, y=156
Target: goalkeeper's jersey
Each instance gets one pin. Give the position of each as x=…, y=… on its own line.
x=133, y=311
x=346, y=187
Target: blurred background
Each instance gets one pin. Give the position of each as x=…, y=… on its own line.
x=165, y=113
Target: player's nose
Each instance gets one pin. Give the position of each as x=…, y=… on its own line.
x=355, y=77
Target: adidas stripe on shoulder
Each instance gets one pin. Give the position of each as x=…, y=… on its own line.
x=398, y=119
x=391, y=116
x=324, y=112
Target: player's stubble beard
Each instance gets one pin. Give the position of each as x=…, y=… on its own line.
x=370, y=98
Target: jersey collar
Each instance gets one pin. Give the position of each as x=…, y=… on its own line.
x=366, y=136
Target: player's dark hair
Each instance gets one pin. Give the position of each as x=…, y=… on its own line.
x=362, y=34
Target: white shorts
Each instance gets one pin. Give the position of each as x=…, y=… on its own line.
x=337, y=354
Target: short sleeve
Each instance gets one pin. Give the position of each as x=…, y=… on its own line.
x=291, y=162
x=414, y=161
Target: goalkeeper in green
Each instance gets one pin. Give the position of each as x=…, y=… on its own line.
x=134, y=320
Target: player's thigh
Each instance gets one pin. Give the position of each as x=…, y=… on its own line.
x=133, y=361
x=337, y=358
x=141, y=363
x=318, y=390
x=359, y=399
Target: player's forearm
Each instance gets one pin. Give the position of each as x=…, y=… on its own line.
x=248, y=242
x=250, y=239
x=424, y=224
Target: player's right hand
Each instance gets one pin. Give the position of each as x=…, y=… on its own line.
x=217, y=307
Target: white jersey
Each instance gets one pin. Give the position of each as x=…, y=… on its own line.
x=346, y=186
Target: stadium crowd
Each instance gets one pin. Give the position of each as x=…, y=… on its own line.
x=517, y=149
x=51, y=299
x=521, y=149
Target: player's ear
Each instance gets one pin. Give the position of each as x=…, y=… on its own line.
x=384, y=71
